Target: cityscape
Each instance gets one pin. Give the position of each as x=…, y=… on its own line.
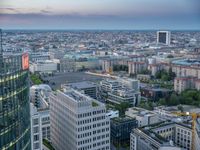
x=102, y=85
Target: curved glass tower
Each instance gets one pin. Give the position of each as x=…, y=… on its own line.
x=14, y=103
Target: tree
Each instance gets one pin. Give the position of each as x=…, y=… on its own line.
x=180, y=108
x=162, y=101
x=173, y=100
x=122, y=107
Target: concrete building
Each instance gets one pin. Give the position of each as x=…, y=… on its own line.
x=67, y=65
x=163, y=37
x=108, y=63
x=186, y=68
x=161, y=135
x=39, y=95
x=39, y=56
x=40, y=126
x=183, y=83
x=78, y=122
x=143, y=116
x=136, y=67
x=121, y=90
x=89, y=88
x=47, y=66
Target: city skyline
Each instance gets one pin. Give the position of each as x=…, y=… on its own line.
x=110, y=14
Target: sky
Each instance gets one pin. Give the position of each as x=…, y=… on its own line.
x=100, y=14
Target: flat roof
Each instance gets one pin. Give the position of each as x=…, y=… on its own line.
x=82, y=85
x=187, y=62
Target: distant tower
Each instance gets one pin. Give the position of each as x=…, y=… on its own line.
x=163, y=37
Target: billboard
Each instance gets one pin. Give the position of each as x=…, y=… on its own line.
x=25, y=61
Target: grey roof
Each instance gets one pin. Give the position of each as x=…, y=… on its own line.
x=82, y=85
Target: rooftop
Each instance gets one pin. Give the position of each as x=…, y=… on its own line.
x=187, y=62
x=82, y=85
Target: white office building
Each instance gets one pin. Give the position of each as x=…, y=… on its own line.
x=40, y=126
x=46, y=66
x=160, y=136
x=78, y=122
x=143, y=116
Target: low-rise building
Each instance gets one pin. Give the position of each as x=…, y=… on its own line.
x=143, y=116
x=154, y=93
x=121, y=90
x=161, y=135
x=88, y=87
x=46, y=66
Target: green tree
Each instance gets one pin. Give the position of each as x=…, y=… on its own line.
x=173, y=100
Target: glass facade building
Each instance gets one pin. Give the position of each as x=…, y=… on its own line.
x=14, y=103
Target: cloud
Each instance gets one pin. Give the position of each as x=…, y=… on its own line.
x=9, y=9
x=45, y=11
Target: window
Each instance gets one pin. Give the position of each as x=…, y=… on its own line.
x=35, y=121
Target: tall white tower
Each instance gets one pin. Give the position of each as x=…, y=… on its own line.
x=163, y=37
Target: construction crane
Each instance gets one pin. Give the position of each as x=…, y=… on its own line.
x=110, y=70
x=194, y=117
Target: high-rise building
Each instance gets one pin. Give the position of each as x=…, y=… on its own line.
x=40, y=126
x=163, y=37
x=14, y=102
x=78, y=122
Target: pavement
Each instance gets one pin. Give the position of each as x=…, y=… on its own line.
x=69, y=77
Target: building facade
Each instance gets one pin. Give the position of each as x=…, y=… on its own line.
x=160, y=135
x=40, y=126
x=143, y=116
x=164, y=37
x=78, y=122
x=15, y=126
x=121, y=129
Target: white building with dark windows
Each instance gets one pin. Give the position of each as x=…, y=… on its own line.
x=161, y=135
x=121, y=90
x=40, y=126
x=78, y=122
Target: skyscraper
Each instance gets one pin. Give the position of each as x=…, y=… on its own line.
x=78, y=122
x=163, y=37
x=14, y=102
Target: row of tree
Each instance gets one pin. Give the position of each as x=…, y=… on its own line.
x=188, y=97
x=164, y=75
x=120, y=68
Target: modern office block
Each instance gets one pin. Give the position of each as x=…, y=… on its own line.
x=14, y=102
x=78, y=122
x=121, y=129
